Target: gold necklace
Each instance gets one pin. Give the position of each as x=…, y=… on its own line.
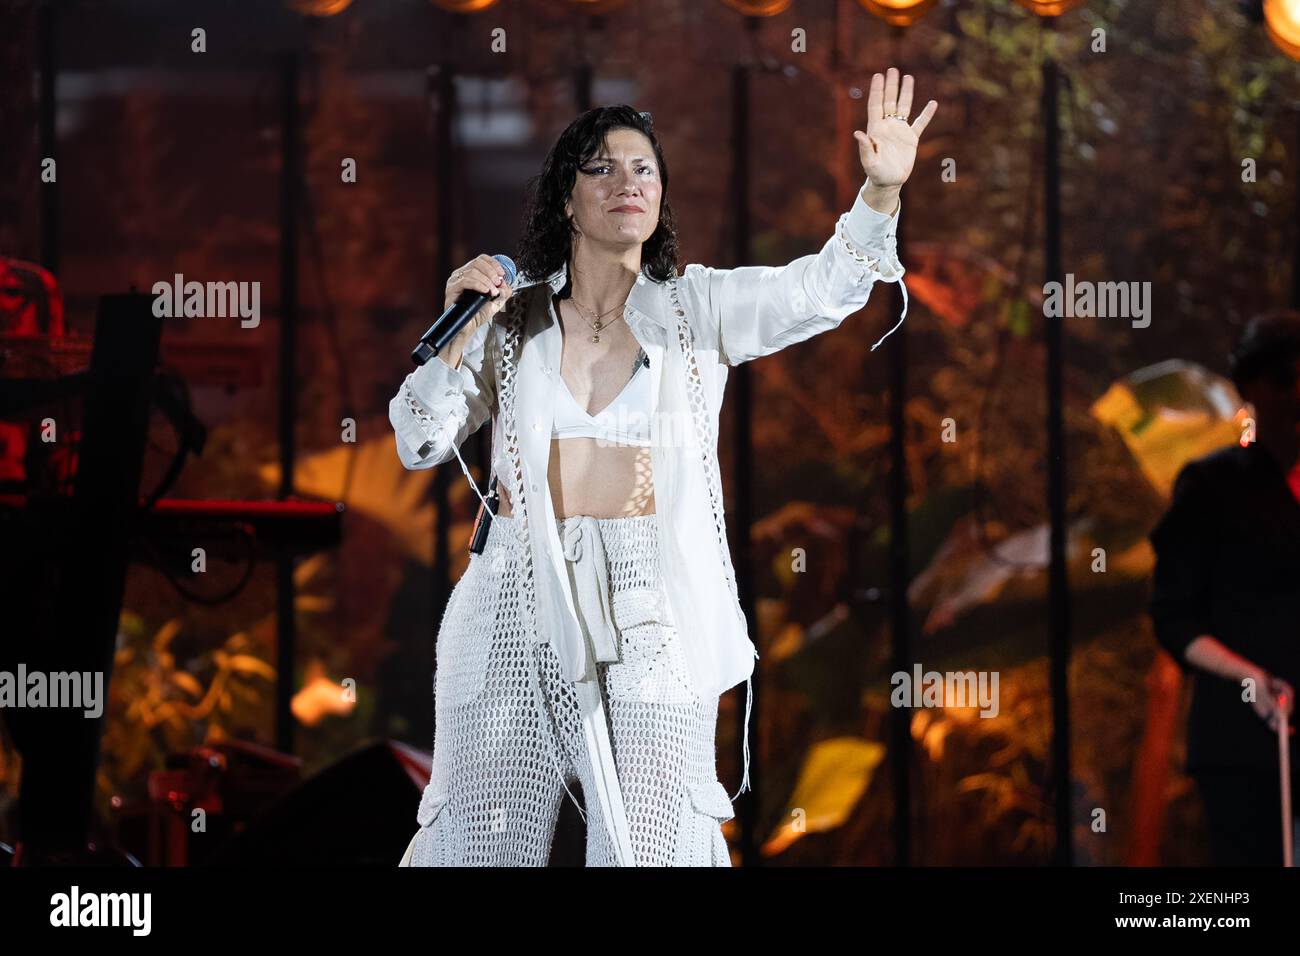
x=599, y=325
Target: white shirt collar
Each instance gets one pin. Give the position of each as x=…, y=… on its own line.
x=641, y=297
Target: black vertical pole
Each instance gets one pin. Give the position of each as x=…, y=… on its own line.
x=900, y=610
x=1295, y=220
x=582, y=80
x=444, y=191
x=47, y=29
x=742, y=450
x=1058, y=579
x=290, y=172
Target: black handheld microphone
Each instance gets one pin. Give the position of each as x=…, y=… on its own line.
x=447, y=325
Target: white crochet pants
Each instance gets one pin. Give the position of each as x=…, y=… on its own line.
x=501, y=749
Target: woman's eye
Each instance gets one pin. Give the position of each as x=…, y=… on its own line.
x=599, y=169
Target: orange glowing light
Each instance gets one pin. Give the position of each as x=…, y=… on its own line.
x=1049, y=8
x=463, y=6
x=1282, y=19
x=897, y=13
x=319, y=8
x=321, y=697
x=758, y=8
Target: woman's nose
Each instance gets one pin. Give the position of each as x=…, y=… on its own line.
x=627, y=182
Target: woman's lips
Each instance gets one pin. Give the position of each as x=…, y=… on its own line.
x=632, y=209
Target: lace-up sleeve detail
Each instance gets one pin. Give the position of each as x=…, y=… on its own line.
x=877, y=255
x=437, y=407
x=757, y=310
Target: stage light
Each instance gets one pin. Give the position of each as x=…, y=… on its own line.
x=319, y=8
x=1049, y=8
x=897, y=13
x=463, y=6
x=758, y=8
x=1282, y=18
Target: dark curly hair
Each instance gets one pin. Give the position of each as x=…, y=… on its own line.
x=547, y=240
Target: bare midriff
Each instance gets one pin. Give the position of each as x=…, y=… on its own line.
x=587, y=477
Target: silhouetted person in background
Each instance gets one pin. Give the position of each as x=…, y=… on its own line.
x=1226, y=600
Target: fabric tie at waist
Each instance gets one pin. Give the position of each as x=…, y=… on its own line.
x=584, y=549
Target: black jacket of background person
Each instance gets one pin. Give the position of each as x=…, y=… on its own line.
x=1228, y=565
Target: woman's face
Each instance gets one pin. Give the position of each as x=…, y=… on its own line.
x=615, y=197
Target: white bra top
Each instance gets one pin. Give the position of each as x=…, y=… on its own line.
x=625, y=421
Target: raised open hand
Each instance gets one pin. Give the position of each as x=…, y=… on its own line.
x=888, y=147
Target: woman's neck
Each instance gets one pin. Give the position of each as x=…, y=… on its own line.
x=601, y=282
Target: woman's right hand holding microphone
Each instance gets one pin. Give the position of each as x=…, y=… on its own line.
x=481, y=274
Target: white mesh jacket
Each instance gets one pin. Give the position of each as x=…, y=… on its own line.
x=693, y=328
